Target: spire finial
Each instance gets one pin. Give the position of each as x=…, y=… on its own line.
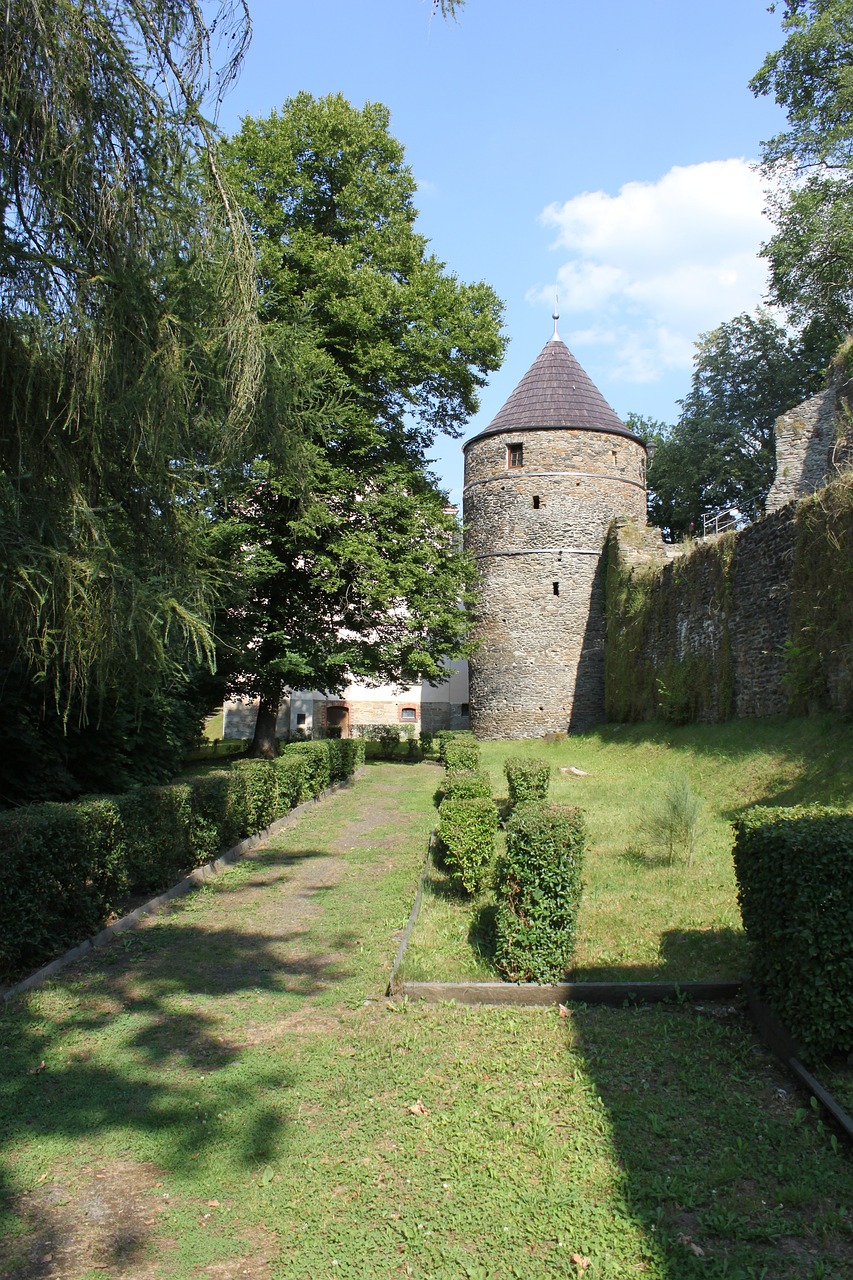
x=555, y=337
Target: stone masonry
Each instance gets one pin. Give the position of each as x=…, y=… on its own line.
x=542, y=484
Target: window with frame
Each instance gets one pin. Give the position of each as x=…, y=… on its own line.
x=515, y=455
x=408, y=713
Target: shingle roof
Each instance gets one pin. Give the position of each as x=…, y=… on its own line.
x=555, y=392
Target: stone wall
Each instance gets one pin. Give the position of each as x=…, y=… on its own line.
x=537, y=534
x=703, y=637
x=805, y=439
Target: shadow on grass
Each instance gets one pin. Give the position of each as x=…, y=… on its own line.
x=816, y=748
x=116, y=1045
x=715, y=1167
x=685, y=955
x=481, y=934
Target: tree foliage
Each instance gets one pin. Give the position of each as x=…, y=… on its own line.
x=720, y=453
x=354, y=571
x=129, y=353
x=811, y=162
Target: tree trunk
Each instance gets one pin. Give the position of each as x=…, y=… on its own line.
x=263, y=745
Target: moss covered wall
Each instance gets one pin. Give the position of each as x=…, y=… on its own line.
x=754, y=623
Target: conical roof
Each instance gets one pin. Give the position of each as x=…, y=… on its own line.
x=556, y=392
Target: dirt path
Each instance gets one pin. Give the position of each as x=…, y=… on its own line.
x=277, y=948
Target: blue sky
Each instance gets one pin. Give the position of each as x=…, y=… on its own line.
x=604, y=150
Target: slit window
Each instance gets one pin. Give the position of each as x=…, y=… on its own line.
x=515, y=455
x=536, y=502
x=556, y=588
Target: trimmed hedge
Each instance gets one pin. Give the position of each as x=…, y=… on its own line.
x=794, y=870
x=539, y=890
x=450, y=738
x=157, y=829
x=66, y=867
x=462, y=753
x=467, y=784
x=466, y=832
x=527, y=779
x=316, y=759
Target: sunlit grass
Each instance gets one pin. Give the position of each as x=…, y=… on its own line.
x=227, y=1092
x=642, y=916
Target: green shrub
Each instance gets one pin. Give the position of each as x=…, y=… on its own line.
x=216, y=820
x=672, y=819
x=527, y=779
x=261, y=791
x=328, y=761
x=539, y=890
x=426, y=741
x=794, y=870
x=290, y=779
x=157, y=825
x=467, y=784
x=317, y=767
x=466, y=833
x=462, y=753
x=63, y=873
x=445, y=737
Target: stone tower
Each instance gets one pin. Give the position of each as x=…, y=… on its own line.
x=542, y=484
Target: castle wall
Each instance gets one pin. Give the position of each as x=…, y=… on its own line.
x=717, y=633
x=537, y=533
x=805, y=437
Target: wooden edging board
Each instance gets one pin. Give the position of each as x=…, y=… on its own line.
x=413, y=915
x=782, y=1044
x=530, y=994
x=197, y=877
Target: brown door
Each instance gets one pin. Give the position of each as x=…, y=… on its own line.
x=338, y=718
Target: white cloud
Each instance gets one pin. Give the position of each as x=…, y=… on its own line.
x=659, y=263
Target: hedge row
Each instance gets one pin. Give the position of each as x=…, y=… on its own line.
x=467, y=784
x=539, y=888
x=466, y=833
x=795, y=884
x=66, y=867
x=527, y=779
x=458, y=749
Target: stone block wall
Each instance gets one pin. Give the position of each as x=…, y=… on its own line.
x=703, y=637
x=537, y=532
x=805, y=439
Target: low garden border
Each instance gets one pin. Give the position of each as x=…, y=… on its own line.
x=772, y=1033
x=197, y=877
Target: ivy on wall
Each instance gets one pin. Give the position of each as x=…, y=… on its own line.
x=668, y=652
x=670, y=627
x=819, y=650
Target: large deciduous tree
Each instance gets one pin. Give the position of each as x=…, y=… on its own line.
x=363, y=575
x=811, y=163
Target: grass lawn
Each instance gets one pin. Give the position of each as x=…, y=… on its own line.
x=642, y=918
x=226, y=1093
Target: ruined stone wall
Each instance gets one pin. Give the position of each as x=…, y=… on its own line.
x=537, y=534
x=805, y=438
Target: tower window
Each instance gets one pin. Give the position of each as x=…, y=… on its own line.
x=515, y=455
x=536, y=502
x=556, y=588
